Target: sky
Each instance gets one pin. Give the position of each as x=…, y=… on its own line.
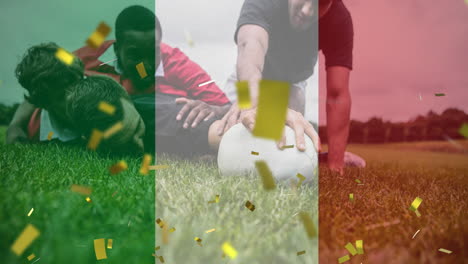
x=404, y=51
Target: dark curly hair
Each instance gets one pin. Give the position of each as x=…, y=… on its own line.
x=136, y=18
x=44, y=76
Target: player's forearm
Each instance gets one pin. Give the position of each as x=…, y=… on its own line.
x=22, y=115
x=338, y=118
x=250, y=59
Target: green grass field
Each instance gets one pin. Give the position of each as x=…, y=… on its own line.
x=40, y=176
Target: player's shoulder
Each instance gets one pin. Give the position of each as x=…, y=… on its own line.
x=337, y=15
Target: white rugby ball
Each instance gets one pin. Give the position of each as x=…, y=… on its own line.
x=235, y=155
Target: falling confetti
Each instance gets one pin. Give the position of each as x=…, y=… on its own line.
x=30, y=212
x=243, y=95
x=229, y=250
x=216, y=200
x=161, y=259
x=414, y=206
x=81, y=189
x=27, y=236
x=141, y=70
x=106, y=108
x=147, y=158
x=445, y=251
x=109, y=243
x=301, y=179
x=254, y=153
x=165, y=234
x=301, y=253
x=113, y=129
x=351, y=197
x=250, y=206
x=100, y=249
x=172, y=230
x=358, y=181
x=107, y=62
x=99, y=35
x=351, y=249
x=272, y=109
x=211, y=230
x=118, y=167
x=308, y=224
x=64, y=56
x=420, y=98
x=266, y=175
x=343, y=259
x=199, y=240
x=287, y=147
x=49, y=136
x=360, y=247
x=31, y=257
x=464, y=130
x=160, y=222
x=95, y=139
x=416, y=234
x=188, y=38
x=439, y=94
x=206, y=83
x=88, y=199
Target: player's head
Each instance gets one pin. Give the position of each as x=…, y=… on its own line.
x=135, y=44
x=83, y=101
x=302, y=13
x=46, y=78
x=324, y=7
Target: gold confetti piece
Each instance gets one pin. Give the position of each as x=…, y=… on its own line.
x=250, y=206
x=158, y=167
x=416, y=233
x=188, y=38
x=243, y=95
x=165, y=234
x=439, y=94
x=99, y=35
x=64, y=56
x=161, y=258
x=172, y=230
x=106, y=108
x=160, y=222
x=81, y=189
x=216, y=200
x=351, y=249
x=272, y=109
x=145, y=164
x=229, y=250
x=95, y=139
x=351, y=197
x=288, y=146
x=88, y=199
x=360, y=247
x=254, y=153
x=358, y=181
x=211, y=230
x=31, y=257
x=30, y=212
x=107, y=62
x=199, y=240
x=445, y=251
x=141, y=70
x=308, y=224
x=49, y=136
x=99, y=248
x=418, y=214
x=343, y=259
x=301, y=253
x=265, y=173
x=113, y=129
x=118, y=167
x=206, y=83
x=27, y=236
x=414, y=206
x=464, y=129
x=109, y=243
x=301, y=179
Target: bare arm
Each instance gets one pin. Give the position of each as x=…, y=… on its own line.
x=338, y=115
x=17, y=130
x=252, y=46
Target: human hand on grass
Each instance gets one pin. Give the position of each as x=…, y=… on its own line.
x=16, y=134
x=195, y=110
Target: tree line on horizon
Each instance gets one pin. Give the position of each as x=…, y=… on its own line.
x=431, y=126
